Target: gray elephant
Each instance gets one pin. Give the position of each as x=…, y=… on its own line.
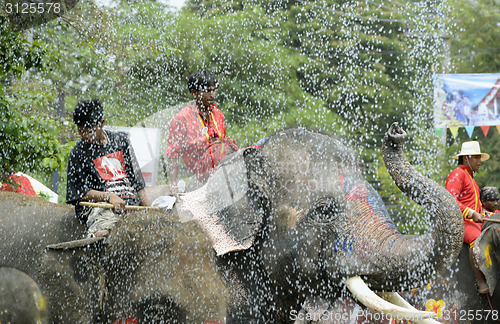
x=21, y=301
x=270, y=229
x=454, y=293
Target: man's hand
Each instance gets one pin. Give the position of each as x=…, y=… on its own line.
x=117, y=202
x=143, y=198
x=477, y=217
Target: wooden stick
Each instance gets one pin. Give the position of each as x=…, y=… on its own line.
x=74, y=244
x=492, y=220
x=110, y=206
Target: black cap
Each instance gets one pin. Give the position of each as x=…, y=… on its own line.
x=488, y=194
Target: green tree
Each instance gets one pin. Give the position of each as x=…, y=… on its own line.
x=474, y=48
x=29, y=137
x=259, y=93
x=112, y=54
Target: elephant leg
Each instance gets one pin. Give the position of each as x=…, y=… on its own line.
x=482, y=286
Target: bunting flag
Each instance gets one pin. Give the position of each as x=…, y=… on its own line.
x=485, y=130
x=439, y=131
x=454, y=131
x=469, y=130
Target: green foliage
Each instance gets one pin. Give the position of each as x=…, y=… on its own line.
x=114, y=54
x=30, y=142
x=17, y=54
x=253, y=68
x=370, y=64
x=28, y=136
x=475, y=47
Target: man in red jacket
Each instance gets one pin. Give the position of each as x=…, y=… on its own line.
x=462, y=185
x=197, y=133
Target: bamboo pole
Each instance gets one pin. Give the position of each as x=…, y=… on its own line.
x=110, y=206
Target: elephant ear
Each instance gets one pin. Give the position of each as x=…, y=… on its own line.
x=231, y=206
x=487, y=252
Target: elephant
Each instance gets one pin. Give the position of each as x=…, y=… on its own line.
x=272, y=228
x=21, y=301
x=454, y=295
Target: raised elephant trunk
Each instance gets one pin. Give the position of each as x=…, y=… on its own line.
x=434, y=251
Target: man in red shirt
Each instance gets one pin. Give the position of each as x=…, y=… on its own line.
x=462, y=185
x=197, y=133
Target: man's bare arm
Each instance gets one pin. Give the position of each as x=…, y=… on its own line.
x=143, y=198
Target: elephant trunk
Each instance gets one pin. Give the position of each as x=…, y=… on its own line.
x=422, y=256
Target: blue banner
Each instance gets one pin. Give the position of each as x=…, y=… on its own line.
x=466, y=100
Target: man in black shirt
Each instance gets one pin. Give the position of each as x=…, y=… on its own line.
x=102, y=167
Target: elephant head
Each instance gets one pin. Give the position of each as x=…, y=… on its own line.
x=22, y=300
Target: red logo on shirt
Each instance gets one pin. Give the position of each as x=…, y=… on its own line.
x=111, y=167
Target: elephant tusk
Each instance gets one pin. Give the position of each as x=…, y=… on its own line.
x=367, y=297
x=396, y=299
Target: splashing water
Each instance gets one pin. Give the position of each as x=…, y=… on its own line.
x=347, y=68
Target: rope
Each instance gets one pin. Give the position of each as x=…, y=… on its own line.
x=491, y=307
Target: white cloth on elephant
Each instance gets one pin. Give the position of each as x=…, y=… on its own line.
x=100, y=219
x=164, y=202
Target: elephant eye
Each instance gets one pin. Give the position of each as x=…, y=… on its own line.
x=326, y=209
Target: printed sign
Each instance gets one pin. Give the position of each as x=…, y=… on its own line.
x=466, y=100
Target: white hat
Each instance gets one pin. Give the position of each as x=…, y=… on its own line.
x=472, y=148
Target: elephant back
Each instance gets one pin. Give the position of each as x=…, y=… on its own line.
x=28, y=225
